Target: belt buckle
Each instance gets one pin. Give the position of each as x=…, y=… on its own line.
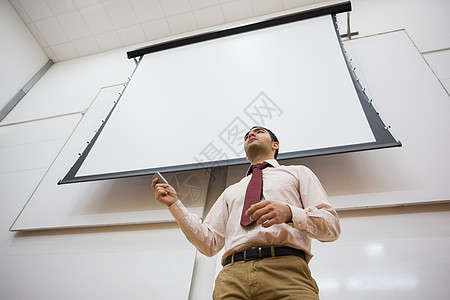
x=259, y=252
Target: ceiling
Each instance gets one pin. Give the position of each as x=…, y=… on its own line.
x=68, y=29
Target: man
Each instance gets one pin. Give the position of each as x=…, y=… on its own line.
x=268, y=258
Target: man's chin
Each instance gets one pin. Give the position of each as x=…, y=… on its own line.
x=252, y=150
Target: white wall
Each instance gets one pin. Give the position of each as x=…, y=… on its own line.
x=426, y=23
x=118, y=262
x=20, y=55
x=101, y=263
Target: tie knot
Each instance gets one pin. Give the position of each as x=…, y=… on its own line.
x=260, y=166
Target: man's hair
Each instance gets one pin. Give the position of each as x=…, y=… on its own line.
x=272, y=136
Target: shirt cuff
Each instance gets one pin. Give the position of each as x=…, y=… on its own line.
x=299, y=217
x=178, y=210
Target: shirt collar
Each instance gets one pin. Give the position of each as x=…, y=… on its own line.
x=273, y=162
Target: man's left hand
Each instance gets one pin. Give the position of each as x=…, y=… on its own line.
x=269, y=212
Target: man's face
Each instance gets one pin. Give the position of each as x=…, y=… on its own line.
x=258, y=141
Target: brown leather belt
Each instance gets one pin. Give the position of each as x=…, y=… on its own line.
x=260, y=252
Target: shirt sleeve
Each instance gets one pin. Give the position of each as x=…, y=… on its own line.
x=317, y=218
x=207, y=236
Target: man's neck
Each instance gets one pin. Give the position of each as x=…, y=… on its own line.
x=257, y=160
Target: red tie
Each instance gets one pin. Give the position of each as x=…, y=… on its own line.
x=254, y=191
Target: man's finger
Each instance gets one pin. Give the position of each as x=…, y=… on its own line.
x=263, y=216
x=160, y=191
x=255, y=207
x=269, y=223
x=154, y=182
x=259, y=213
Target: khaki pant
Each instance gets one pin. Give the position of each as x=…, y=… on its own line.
x=282, y=277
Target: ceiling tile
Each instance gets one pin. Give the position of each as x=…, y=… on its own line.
x=37, y=35
x=64, y=51
x=36, y=10
x=108, y=40
x=60, y=7
x=296, y=3
x=173, y=7
x=83, y=27
x=147, y=10
x=20, y=11
x=208, y=17
x=237, y=10
x=86, y=46
x=156, y=29
x=132, y=35
x=85, y=3
x=51, y=31
x=182, y=23
x=74, y=25
x=264, y=7
x=96, y=19
x=196, y=4
x=121, y=13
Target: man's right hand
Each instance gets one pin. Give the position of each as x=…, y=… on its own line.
x=164, y=193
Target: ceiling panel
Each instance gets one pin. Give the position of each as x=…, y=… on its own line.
x=74, y=25
x=262, y=7
x=121, y=12
x=209, y=16
x=51, y=31
x=96, y=18
x=132, y=35
x=36, y=10
x=156, y=29
x=70, y=29
x=175, y=7
x=61, y=7
x=86, y=46
x=182, y=22
x=147, y=10
x=237, y=10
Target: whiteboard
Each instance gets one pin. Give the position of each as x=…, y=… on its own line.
x=121, y=201
x=189, y=107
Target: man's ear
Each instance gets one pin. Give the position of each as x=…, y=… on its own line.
x=275, y=145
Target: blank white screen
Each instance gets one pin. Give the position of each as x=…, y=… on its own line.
x=194, y=103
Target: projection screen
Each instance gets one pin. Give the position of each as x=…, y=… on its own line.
x=190, y=102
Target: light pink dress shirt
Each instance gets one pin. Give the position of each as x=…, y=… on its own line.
x=297, y=186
